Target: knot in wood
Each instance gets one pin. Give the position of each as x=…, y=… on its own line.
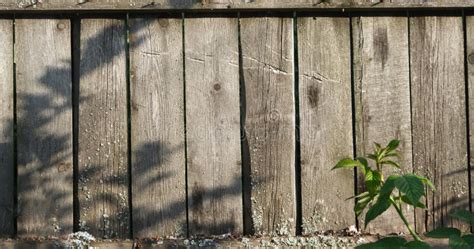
x=470, y=58
x=164, y=22
x=61, y=26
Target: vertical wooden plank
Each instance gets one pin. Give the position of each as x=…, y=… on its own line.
x=470, y=88
x=439, y=116
x=382, y=98
x=267, y=57
x=44, y=111
x=213, y=126
x=103, y=169
x=158, y=160
x=7, y=169
x=325, y=122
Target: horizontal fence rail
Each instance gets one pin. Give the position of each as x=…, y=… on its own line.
x=151, y=126
x=19, y=6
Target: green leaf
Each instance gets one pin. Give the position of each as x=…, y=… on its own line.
x=407, y=201
x=389, y=185
x=392, y=163
x=456, y=242
x=411, y=186
x=392, y=154
x=378, y=148
x=361, y=204
x=415, y=244
x=383, y=201
x=365, y=165
x=373, y=180
x=363, y=161
x=469, y=238
x=393, y=145
x=388, y=242
x=372, y=156
x=365, y=194
x=347, y=163
x=427, y=182
x=390, y=147
x=443, y=233
x=463, y=215
x=382, y=204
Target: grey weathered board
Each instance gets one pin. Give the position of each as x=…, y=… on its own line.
x=469, y=36
x=434, y=116
x=44, y=133
x=103, y=167
x=325, y=122
x=157, y=128
x=210, y=5
x=269, y=121
x=213, y=126
x=382, y=98
x=7, y=174
x=439, y=116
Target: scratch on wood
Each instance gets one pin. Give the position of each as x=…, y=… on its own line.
x=198, y=60
x=152, y=53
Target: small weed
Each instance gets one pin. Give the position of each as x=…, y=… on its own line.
x=456, y=240
x=382, y=193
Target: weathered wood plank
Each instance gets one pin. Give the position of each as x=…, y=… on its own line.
x=325, y=122
x=439, y=116
x=469, y=36
x=228, y=5
x=382, y=98
x=158, y=160
x=213, y=126
x=267, y=79
x=44, y=110
x=7, y=167
x=103, y=170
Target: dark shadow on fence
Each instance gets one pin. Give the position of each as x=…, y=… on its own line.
x=54, y=149
x=43, y=110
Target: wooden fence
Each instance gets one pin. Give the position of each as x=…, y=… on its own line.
x=192, y=124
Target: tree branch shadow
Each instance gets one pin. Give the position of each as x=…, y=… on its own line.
x=50, y=153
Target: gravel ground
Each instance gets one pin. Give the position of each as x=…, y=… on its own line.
x=342, y=239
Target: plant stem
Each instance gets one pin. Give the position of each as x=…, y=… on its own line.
x=400, y=213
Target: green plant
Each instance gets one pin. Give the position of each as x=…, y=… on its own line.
x=381, y=193
x=456, y=239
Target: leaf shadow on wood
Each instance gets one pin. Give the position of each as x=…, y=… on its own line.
x=42, y=154
x=45, y=111
x=45, y=152
x=150, y=156
x=6, y=177
x=437, y=214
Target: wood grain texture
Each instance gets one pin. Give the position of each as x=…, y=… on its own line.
x=61, y=6
x=439, y=116
x=470, y=87
x=382, y=98
x=268, y=84
x=213, y=126
x=158, y=160
x=325, y=122
x=103, y=169
x=44, y=133
x=7, y=167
